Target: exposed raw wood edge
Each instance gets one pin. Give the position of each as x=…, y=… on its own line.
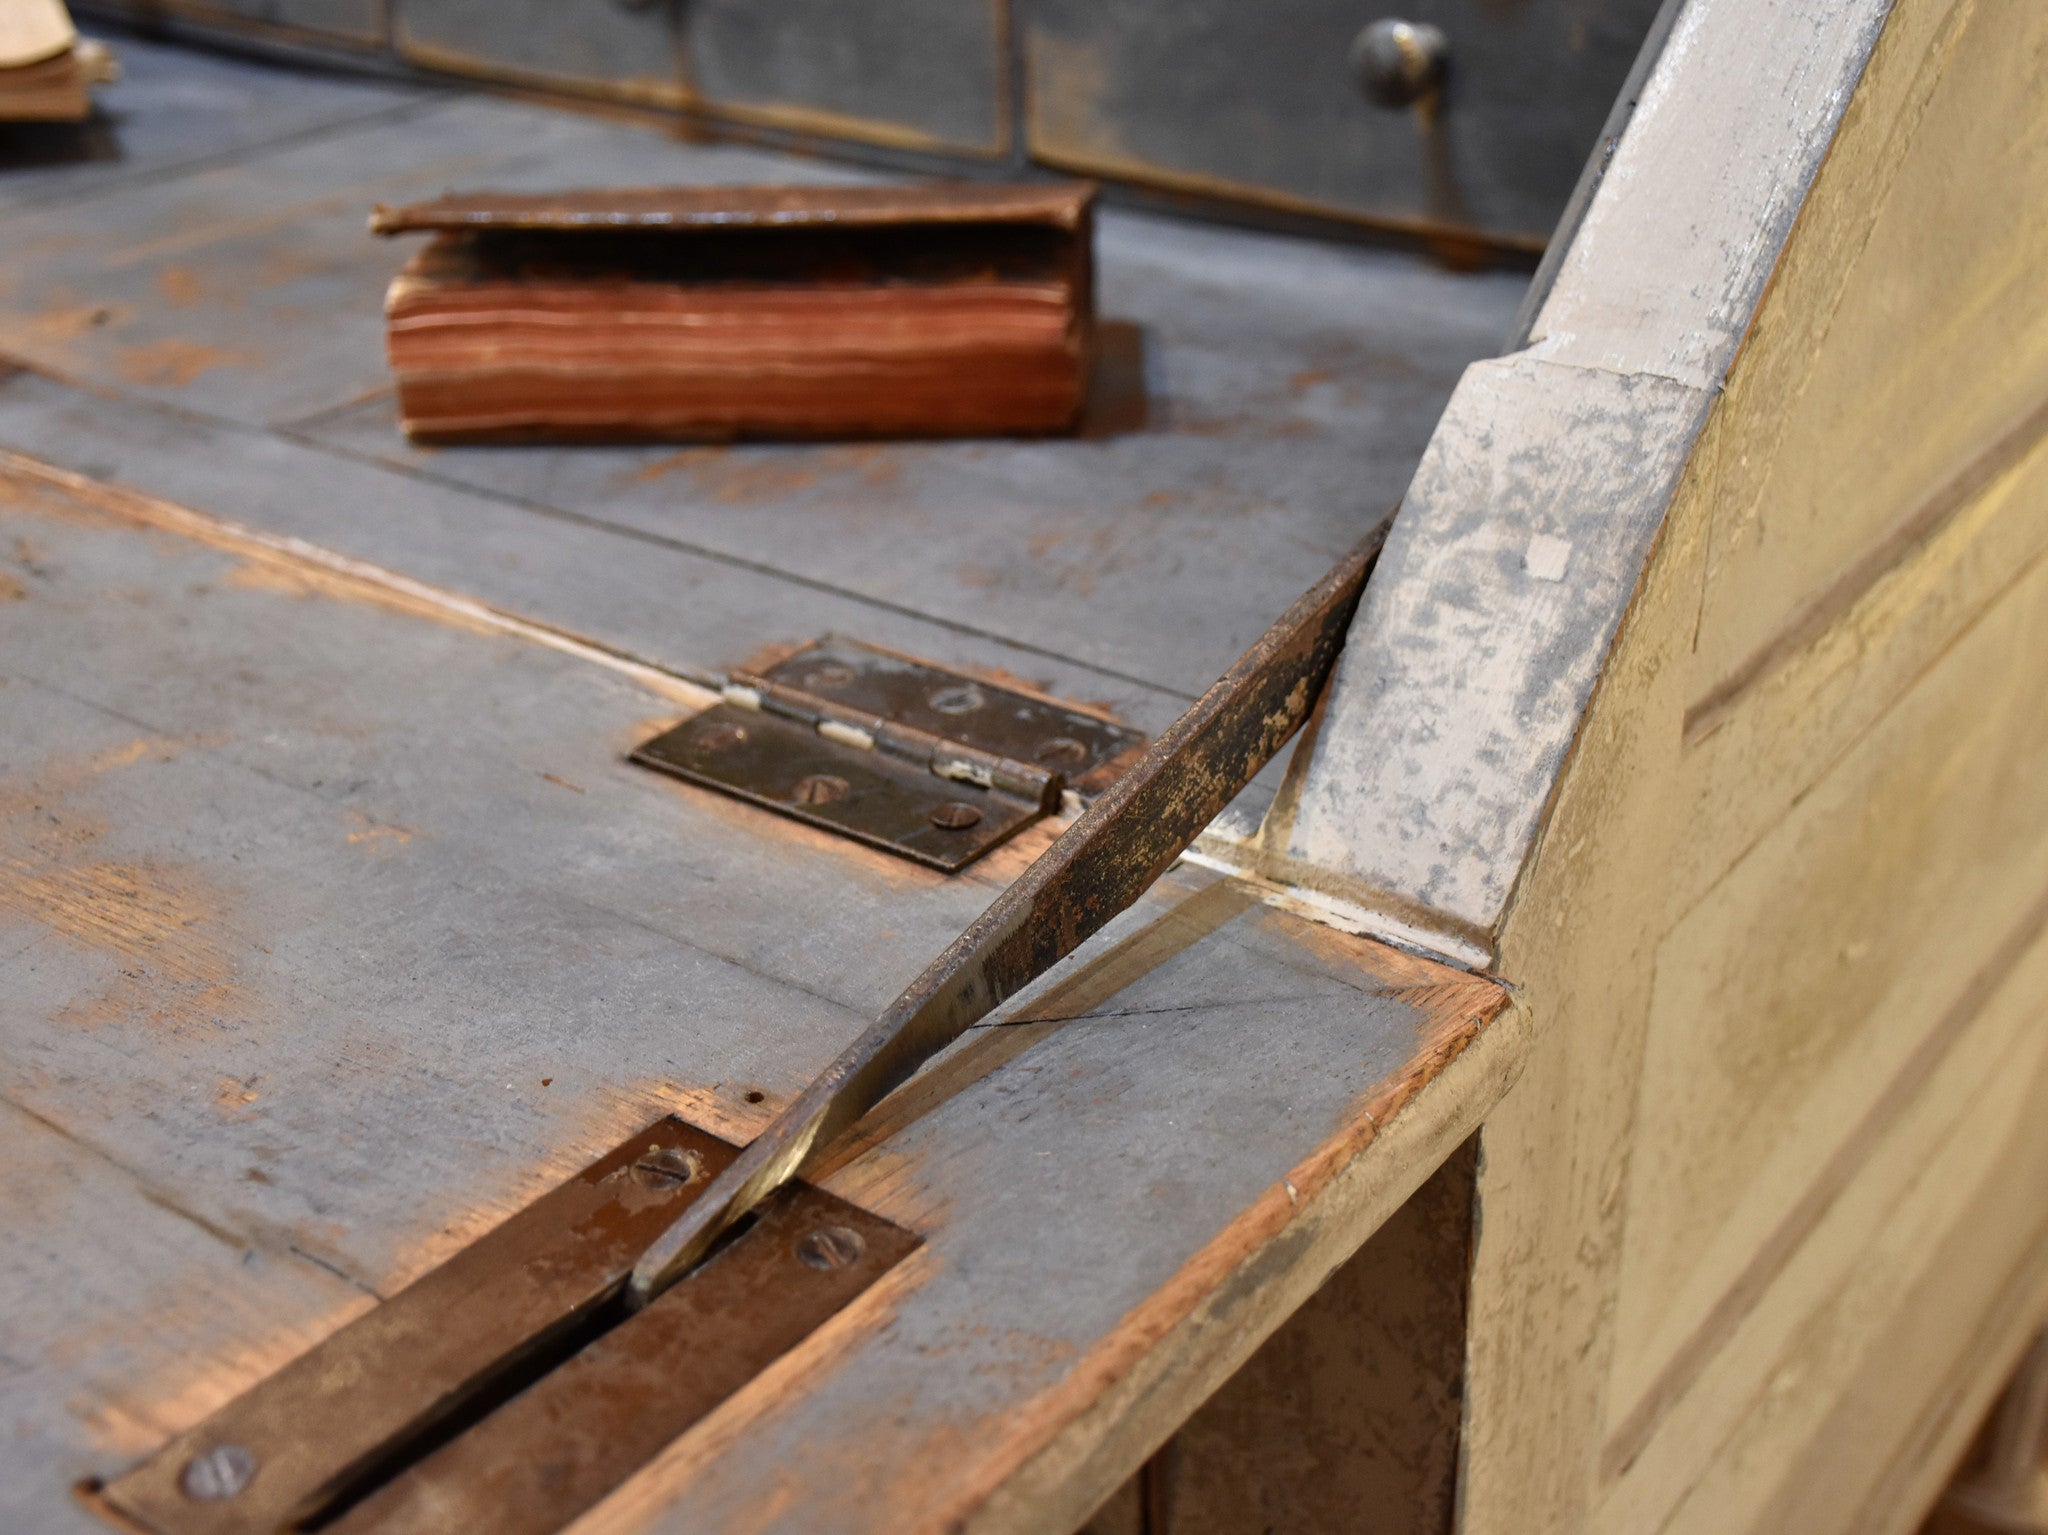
x=1666, y=270
x=1237, y=860
x=1088, y=161
x=1911, y=534
x=299, y=556
x=647, y=1498
x=1128, y=1395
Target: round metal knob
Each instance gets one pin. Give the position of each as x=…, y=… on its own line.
x=1400, y=62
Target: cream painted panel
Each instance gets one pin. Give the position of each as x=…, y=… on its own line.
x=1892, y=352
x=1790, y=995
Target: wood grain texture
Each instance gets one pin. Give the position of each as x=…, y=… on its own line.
x=1263, y=400
x=262, y=923
x=1760, y=1227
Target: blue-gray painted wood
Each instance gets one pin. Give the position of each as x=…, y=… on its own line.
x=174, y=111
x=329, y=930
x=931, y=73
x=1265, y=98
x=357, y=22
x=665, y=602
x=596, y=46
x=1262, y=400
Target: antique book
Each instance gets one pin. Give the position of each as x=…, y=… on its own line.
x=931, y=310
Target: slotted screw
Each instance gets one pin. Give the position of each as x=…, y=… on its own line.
x=1400, y=62
x=962, y=698
x=831, y=674
x=1062, y=751
x=716, y=738
x=215, y=1475
x=820, y=789
x=953, y=816
x=667, y=1166
x=830, y=1247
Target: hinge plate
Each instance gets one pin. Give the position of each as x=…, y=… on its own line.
x=507, y=1390
x=925, y=762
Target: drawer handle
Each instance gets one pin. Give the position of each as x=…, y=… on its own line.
x=1400, y=62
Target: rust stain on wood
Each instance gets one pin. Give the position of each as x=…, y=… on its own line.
x=717, y=473
x=202, y=1362
x=162, y=925
x=654, y=1490
x=180, y=286
x=376, y=836
x=1442, y=1036
x=173, y=363
x=64, y=318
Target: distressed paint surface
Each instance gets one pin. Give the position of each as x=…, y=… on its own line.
x=1472, y=724
x=1515, y=554
x=1261, y=402
x=1667, y=268
x=1762, y=1225
x=262, y=923
x=354, y=22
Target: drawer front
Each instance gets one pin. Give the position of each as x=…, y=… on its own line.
x=917, y=73
x=619, y=48
x=1262, y=100
x=354, y=21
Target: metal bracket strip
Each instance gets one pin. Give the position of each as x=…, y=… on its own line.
x=509, y=1389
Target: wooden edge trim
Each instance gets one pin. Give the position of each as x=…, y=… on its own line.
x=1062, y=205
x=1083, y=1437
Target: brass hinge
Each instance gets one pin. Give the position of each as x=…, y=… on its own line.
x=925, y=762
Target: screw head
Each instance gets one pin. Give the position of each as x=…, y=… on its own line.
x=1062, y=751
x=1400, y=62
x=953, y=816
x=720, y=737
x=961, y=698
x=820, y=789
x=830, y=1247
x=215, y=1475
x=667, y=1167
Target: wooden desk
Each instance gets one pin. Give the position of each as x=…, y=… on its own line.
x=337, y=927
